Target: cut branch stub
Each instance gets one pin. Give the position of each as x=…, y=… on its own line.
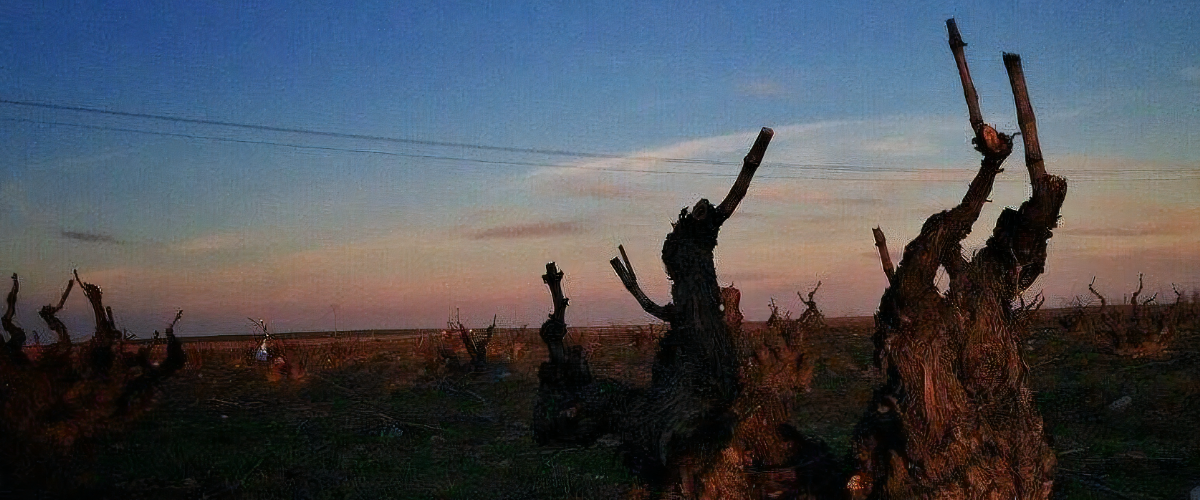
x=964, y=73
x=553, y=279
x=106, y=331
x=555, y=327
x=885, y=257
x=16, y=334
x=749, y=165
x=1092, y=288
x=101, y=352
x=955, y=406
x=49, y=314
x=625, y=271
x=1026, y=120
x=987, y=140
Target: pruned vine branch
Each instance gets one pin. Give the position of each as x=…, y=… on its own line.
x=885, y=257
x=749, y=165
x=625, y=271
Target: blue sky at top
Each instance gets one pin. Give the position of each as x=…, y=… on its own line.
x=1116, y=86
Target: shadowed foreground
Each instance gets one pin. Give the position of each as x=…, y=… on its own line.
x=368, y=418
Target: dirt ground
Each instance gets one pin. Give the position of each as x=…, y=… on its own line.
x=375, y=416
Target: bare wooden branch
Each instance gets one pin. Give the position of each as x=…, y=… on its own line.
x=924, y=395
x=811, y=317
x=945, y=230
x=1026, y=120
x=992, y=144
x=49, y=314
x=153, y=374
x=175, y=355
x=749, y=166
x=1091, y=288
x=171, y=327
x=555, y=328
x=1035, y=305
x=11, y=306
x=16, y=334
x=553, y=279
x=625, y=271
x=885, y=257
x=106, y=331
x=956, y=46
x=812, y=304
x=1133, y=299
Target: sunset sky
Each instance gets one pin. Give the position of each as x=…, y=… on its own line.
x=871, y=130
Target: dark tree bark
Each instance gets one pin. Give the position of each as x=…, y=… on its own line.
x=50, y=404
x=14, y=346
x=151, y=373
x=955, y=417
x=885, y=257
x=573, y=407
x=675, y=433
x=731, y=305
x=688, y=420
x=476, y=344
x=100, y=347
x=1140, y=328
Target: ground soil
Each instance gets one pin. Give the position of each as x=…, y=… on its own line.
x=372, y=415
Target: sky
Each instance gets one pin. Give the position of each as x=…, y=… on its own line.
x=317, y=232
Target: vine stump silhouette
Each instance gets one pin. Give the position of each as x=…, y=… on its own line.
x=955, y=418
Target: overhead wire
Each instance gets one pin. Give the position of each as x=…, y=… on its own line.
x=829, y=168
x=340, y=135
x=379, y=138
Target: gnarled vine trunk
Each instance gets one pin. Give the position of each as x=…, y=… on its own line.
x=955, y=418
x=50, y=403
x=673, y=432
x=1141, y=328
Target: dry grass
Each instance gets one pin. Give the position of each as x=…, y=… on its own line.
x=363, y=417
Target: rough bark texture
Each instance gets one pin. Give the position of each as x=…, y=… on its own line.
x=572, y=407
x=59, y=396
x=763, y=457
x=1139, y=328
x=676, y=433
x=885, y=256
x=767, y=457
x=955, y=418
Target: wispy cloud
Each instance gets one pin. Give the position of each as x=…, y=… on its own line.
x=807, y=217
x=763, y=88
x=535, y=230
x=90, y=237
x=598, y=188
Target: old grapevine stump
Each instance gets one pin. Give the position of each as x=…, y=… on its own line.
x=674, y=431
x=572, y=407
x=955, y=418
x=49, y=405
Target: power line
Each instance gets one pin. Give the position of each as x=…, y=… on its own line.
x=1075, y=177
x=352, y=150
x=400, y=140
x=403, y=155
x=833, y=167
x=341, y=135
